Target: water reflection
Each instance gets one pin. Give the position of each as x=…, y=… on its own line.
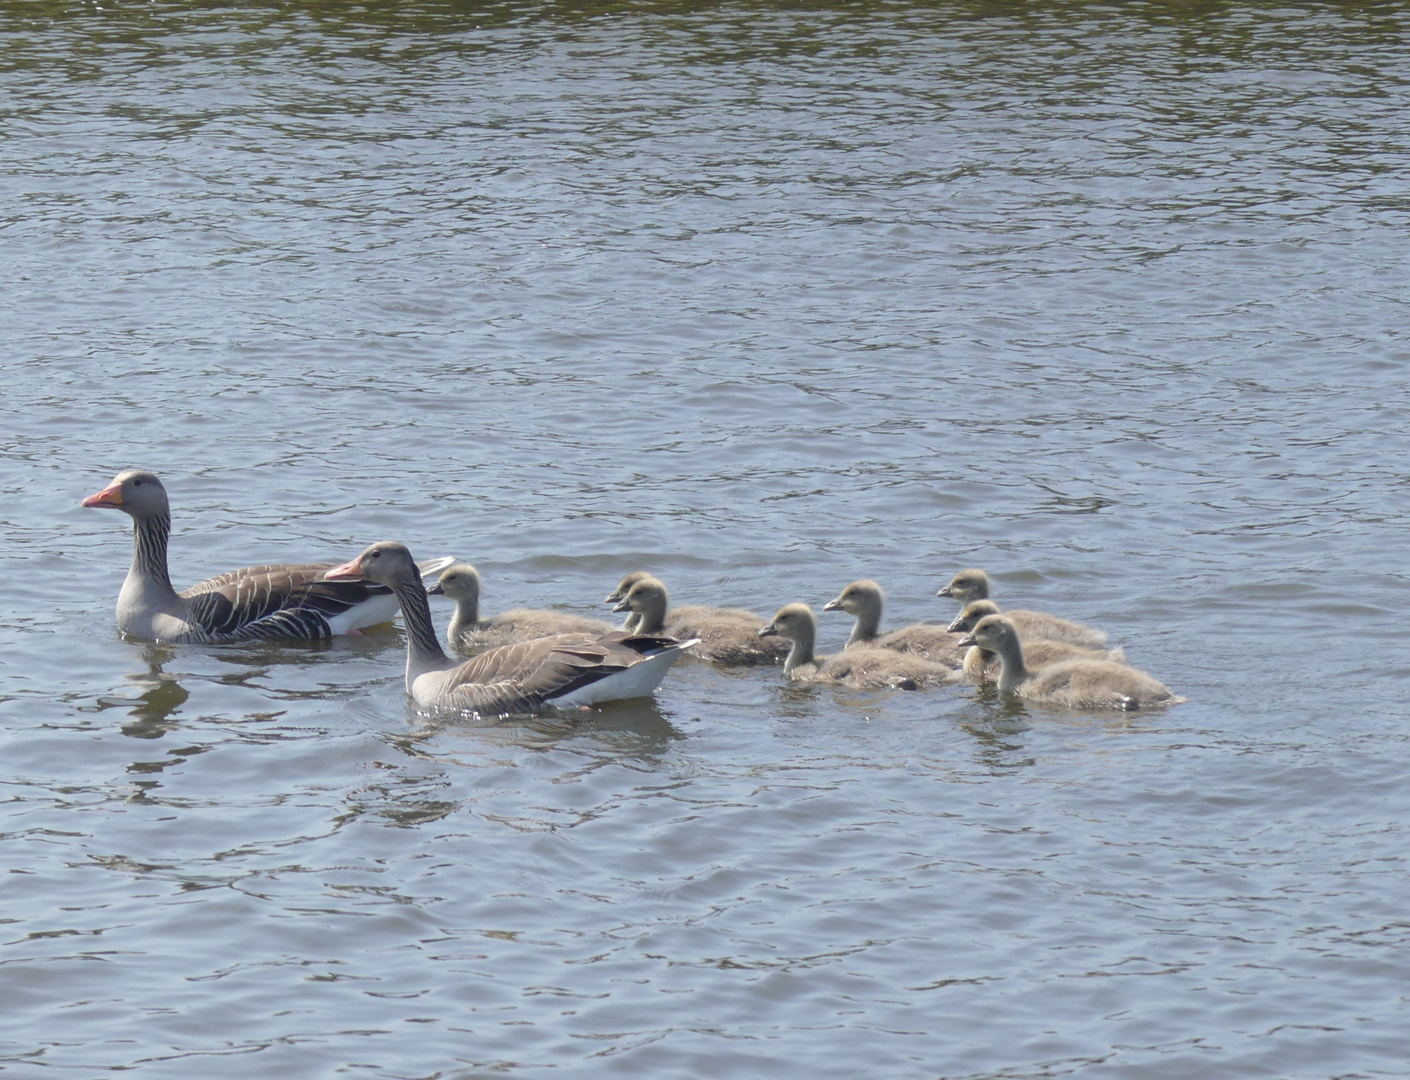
x=638, y=728
x=159, y=698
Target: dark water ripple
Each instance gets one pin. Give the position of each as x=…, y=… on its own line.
x=1105, y=300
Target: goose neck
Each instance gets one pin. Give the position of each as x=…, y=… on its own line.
x=466, y=617
x=651, y=615
x=149, y=542
x=423, y=650
x=1012, y=671
x=800, y=652
x=868, y=623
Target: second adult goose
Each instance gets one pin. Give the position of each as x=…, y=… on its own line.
x=864, y=600
x=565, y=669
x=861, y=667
x=468, y=632
x=284, y=600
x=1079, y=683
x=726, y=635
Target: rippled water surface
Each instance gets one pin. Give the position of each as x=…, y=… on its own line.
x=1109, y=301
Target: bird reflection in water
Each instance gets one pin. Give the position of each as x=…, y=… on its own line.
x=158, y=699
x=636, y=728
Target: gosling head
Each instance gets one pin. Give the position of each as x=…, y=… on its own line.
x=793, y=621
x=967, y=586
x=461, y=582
x=135, y=492
x=625, y=586
x=646, y=594
x=860, y=596
x=992, y=633
x=972, y=612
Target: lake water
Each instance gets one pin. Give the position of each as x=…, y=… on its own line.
x=1109, y=301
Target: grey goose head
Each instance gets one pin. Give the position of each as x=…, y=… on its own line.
x=383, y=563
x=136, y=492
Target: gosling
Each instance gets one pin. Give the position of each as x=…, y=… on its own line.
x=972, y=586
x=1078, y=683
x=861, y=667
x=865, y=599
x=469, y=633
x=728, y=636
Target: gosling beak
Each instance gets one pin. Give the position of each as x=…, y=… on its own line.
x=958, y=625
x=612, y=598
x=109, y=496
x=435, y=590
x=833, y=605
x=966, y=641
x=349, y=571
x=945, y=592
x=622, y=605
x=768, y=631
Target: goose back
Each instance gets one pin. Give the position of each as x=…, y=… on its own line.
x=564, y=669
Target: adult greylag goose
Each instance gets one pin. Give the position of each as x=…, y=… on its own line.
x=564, y=669
x=1078, y=683
x=1031, y=624
x=864, y=600
x=283, y=600
x=468, y=632
x=726, y=635
x=861, y=667
x=623, y=587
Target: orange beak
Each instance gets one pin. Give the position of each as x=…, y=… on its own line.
x=109, y=496
x=349, y=571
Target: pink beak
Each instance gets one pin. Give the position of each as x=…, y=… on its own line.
x=349, y=571
x=109, y=496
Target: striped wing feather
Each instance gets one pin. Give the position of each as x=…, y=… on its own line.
x=520, y=677
x=261, y=602
x=278, y=600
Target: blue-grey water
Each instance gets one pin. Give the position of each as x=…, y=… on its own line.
x=1110, y=301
